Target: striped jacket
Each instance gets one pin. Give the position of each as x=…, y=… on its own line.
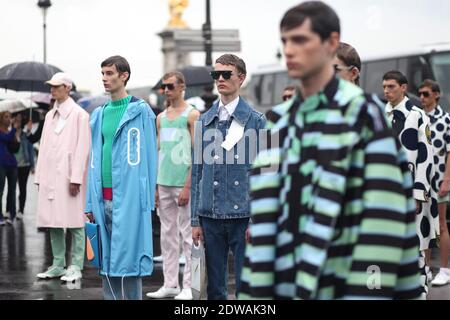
x=332, y=206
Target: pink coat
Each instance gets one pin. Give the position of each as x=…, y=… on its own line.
x=63, y=159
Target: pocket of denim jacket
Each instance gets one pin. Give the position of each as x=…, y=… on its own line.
x=238, y=189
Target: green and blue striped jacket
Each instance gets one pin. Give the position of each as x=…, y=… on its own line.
x=332, y=207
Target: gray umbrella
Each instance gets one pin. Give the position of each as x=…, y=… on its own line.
x=91, y=103
x=27, y=76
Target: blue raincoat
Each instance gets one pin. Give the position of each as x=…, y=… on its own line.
x=129, y=250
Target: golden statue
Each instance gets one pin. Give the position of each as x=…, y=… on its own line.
x=176, y=9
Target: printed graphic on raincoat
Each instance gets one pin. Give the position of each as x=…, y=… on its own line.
x=129, y=251
x=412, y=126
x=63, y=159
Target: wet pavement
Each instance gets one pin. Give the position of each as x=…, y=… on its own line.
x=25, y=251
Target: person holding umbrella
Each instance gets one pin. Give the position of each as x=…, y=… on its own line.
x=8, y=165
x=25, y=157
x=61, y=175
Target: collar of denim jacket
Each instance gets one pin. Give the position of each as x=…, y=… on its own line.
x=241, y=114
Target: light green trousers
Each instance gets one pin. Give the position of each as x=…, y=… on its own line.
x=58, y=240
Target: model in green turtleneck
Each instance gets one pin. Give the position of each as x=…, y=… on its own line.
x=112, y=115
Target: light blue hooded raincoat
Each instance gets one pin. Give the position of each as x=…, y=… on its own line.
x=129, y=250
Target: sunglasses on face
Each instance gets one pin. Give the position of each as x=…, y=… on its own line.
x=339, y=68
x=169, y=86
x=225, y=74
x=426, y=94
x=287, y=97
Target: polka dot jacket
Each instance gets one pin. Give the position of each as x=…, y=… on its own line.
x=440, y=137
x=412, y=126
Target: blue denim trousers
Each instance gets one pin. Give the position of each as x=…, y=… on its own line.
x=221, y=235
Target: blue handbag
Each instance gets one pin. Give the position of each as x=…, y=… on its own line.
x=93, y=244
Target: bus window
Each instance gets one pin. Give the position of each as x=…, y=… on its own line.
x=267, y=89
x=417, y=72
x=440, y=64
x=403, y=65
x=374, y=72
x=255, y=89
x=362, y=76
x=281, y=82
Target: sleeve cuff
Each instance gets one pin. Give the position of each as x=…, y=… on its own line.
x=76, y=181
x=420, y=195
x=195, y=223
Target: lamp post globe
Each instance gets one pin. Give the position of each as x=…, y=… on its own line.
x=44, y=4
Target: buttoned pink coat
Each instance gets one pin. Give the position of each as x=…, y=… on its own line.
x=63, y=159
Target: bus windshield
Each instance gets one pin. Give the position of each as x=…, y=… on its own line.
x=440, y=64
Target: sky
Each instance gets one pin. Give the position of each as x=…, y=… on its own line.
x=82, y=33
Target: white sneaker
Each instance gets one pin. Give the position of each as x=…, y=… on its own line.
x=73, y=273
x=19, y=216
x=158, y=259
x=164, y=293
x=2, y=223
x=441, y=279
x=185, y=294
x=52, y=272
x=7, y=215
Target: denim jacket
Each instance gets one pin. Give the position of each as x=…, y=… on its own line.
x=220, y=178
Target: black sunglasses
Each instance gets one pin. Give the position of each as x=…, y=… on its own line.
x=169, y=86
x=426, y=94
x=287, y=97
x=339, y=68
x=225, y=74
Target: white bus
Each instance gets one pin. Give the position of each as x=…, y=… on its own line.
x=266, y=86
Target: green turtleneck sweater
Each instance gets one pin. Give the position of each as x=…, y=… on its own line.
x=112, y=115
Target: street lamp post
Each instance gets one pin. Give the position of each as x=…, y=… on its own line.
x=207, y=35
x=44, y=5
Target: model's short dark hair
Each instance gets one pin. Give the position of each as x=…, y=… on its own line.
x=178, y=75
x=324, y=20
x=121, y=64
x=433, y=85
x=397, y=76
x=232, y=60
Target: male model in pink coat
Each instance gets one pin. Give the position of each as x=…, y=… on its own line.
x=61, y=175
